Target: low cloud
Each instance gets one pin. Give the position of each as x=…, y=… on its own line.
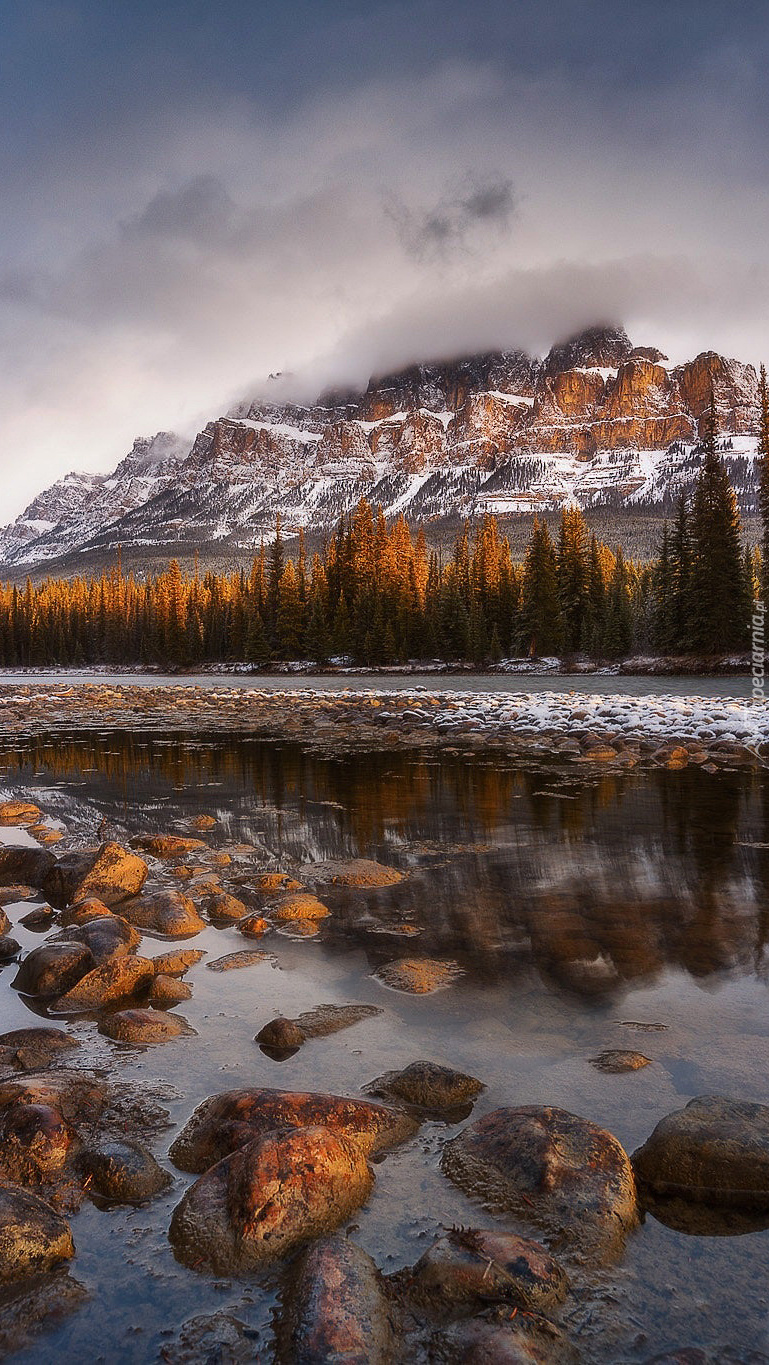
x=462, y=221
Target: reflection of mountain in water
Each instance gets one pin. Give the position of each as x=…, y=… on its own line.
x=597, y=881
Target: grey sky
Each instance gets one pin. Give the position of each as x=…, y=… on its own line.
x=195, y=196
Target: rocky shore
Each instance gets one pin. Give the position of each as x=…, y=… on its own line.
x=580, y=727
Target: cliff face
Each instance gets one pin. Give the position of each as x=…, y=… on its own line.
x=597, y=420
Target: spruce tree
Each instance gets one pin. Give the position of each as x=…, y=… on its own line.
x=763, y=482
x=718, y=615
x=540, y=601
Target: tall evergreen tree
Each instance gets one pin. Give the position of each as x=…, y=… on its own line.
x=763, y=483
x=718, y=599
x=540, y=599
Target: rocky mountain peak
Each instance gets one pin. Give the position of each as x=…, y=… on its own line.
x=601, y=347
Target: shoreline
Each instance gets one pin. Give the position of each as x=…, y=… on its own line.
x=614, y=730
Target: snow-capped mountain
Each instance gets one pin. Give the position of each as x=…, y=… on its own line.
x=597, y=421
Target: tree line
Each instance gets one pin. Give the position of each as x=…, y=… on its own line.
x=377, y=595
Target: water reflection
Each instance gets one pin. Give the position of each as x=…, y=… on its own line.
x=594, y=882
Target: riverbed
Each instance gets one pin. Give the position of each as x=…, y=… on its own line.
x=662, y=878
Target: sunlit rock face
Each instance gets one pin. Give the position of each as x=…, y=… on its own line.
x=597, y=421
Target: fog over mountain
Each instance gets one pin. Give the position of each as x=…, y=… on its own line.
x=203, y=197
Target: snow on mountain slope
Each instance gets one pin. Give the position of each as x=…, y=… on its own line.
x=598, y=421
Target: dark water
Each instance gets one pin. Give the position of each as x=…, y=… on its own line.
x=578, y=906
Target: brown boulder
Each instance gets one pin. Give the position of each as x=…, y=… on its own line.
x=713, y=1151
x=35, y=1141
x=118, y=979
x=33, y=1237
x=123, y=1171
x=297, y=905
x=143, y=1026
x=33, y=1049
x=487, y=1265
x=10, y=949
x=559, y=1171
x=29, y=865
x=497, y=1337
x=352, y=872
x=418, y=975
x=167, y=845
x=615, y=1061
x=427, y=1086
x=252, y=926
x=177, y=962
x=225, y=1122
x=167, y=991
x=83, y=911
x=267, y=1198
x=108, y=937
x=53, y=968
x=203, y=822
x=221, y=908
x=110, y=873
x=336, y=1309
x=19, y=813
x=9, y=894
x=169, y=914
x=248, y=957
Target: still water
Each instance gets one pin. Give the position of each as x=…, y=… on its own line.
x=578, y=906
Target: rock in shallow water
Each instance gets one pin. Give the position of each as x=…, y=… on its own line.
x=225, y=1122
x=167, y=991
x=19, y=813
x=10, y=949
x=33, y=1237
x=494, y=1338
x=268, y=1197
x=119, y=979
x=109, y=872
x=33, y=1049
x=21, y=864
x=558, y=1171
x=53, y=968
x=427, y=1086
x=124, y=1172
x=615, y=1061
x=715, y=1151
x=418, y=975
x=144, y=1026
x=336, y=1309
x=168, y=913
x=487, y=1265
x=352, y=872
x=177, y=962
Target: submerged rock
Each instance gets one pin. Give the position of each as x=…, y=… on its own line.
x=124, y=1172
x=283, y=1033
x=615, y=1061
x=35, y=1304
x=33, y=1237
x=551, y=1167
x=10, y=949
x=109, y=872
x=336, y=1309
x=33, y=1049
x=257, y=1205
x=247, y=957
x=427, y=1086
x=143, y=1026
x=418, y=975
x=475, y=1265
x=167, y=845
x=53, y=968
x=715, y=1150
x=216, y=1339
x=352, y=872
x=167, y=991
x=225, y=1122
x=168, y=913
x=497, y=1338
x=29, y=865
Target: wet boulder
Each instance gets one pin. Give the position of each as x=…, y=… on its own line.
x=32, y=866
x=169, y=914
x=296, y=905
x=714, y=1151
x=35, y=1143
x=477, y=1265
x=216, y=1339
x=38, y=919
x=281, y=1033
x=616, y=1061
x=122, y=1171
x=222, y=908
x=281, y=1038
x=257, y=1205
x=496, y=1337
x=35, y=1304
x=336, y=1309
x=83, y=911
x=10, y=949
x=247, y=957
x=9, y=894
x=143, y=1026
x=429, y=1087
x=19, y=813
x=119, y=979
x=5, y=923
x=203, y=822
x=559, y=1171
x=53, y=969
x=33, y=1237
x=34, y=1049
x=225, y=1122
x=108, y=937
x=252, y=926
x=109, y=872
x=167, y=991
x=177, y=962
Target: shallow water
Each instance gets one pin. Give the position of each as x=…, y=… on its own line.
x=578, y=906
x=593, y=683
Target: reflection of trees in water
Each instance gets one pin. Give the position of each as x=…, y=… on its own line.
x=600, y=880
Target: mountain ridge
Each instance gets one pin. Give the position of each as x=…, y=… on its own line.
x=598, y=421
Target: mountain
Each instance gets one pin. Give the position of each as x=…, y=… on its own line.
x=598, y=420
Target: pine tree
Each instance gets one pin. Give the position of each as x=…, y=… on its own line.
x=540, y=601
x=718, y=600
x=572, y=576
x=763, y=482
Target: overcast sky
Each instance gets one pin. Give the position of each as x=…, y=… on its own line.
x=197, y=194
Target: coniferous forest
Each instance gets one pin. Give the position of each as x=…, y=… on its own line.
x=377, y=595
